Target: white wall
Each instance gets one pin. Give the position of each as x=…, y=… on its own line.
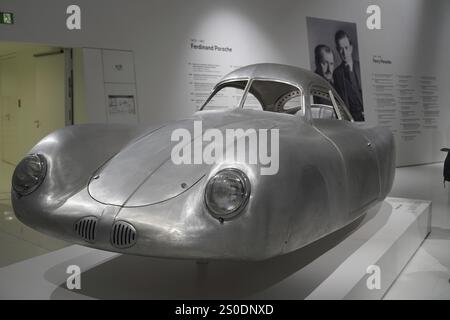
x=79, y=105
x=414, y=36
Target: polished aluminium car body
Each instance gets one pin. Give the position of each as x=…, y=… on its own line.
x=114, y=187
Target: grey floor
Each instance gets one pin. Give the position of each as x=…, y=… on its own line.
x=425, y=277
x=17, y=241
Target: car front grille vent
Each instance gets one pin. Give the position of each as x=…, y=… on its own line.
x=123, y=235
x=85, y=228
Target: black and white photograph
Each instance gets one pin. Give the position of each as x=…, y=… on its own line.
x=333, y=49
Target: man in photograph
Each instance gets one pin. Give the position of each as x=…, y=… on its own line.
x=347, y=76
x=324, y=59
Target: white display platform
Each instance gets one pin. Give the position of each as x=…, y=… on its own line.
x=331, y=268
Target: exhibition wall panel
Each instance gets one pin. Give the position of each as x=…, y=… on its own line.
x=181, y=48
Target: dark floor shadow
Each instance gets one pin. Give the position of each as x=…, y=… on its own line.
x=135, y=277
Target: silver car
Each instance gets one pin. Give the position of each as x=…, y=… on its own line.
x=116, y=187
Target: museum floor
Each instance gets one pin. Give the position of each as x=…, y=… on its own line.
x=18, y=242
x=427, y=274
x=425, y=277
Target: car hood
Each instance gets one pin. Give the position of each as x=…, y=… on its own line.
x=143, y=173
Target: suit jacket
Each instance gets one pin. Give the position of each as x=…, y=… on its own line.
x=447, y=167
x=349, y=91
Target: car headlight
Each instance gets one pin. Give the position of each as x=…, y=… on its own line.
x=29, y=174
x=227, y=193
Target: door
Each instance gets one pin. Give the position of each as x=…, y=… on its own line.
x=359, y=157
x=32, y=98
x=9, y=104
x=49, y=114
x=32, y=102
x=356, y=150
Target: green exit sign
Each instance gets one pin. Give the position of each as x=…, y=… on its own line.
x=6, y=18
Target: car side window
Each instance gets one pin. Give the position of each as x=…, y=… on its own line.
x=340, y=107
x=322, y=105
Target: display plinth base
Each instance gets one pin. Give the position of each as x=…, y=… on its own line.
x=383, y=255
x=334, y=267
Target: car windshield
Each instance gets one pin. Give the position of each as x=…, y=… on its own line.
x=263, y=95
x=226, y=96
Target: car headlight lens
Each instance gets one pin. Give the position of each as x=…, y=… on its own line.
x=227, y=193
x=29, y=174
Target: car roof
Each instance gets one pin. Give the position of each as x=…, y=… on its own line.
x=302, y=77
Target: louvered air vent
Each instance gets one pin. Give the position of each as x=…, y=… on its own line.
x=85, y=228
x=123, y=235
